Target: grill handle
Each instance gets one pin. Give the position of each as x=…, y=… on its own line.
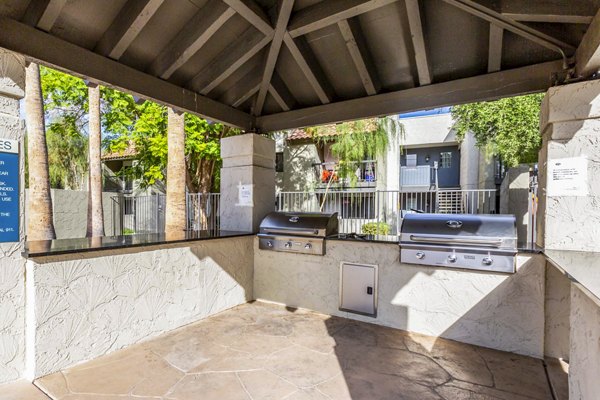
x=313, y=232
x=453, y=240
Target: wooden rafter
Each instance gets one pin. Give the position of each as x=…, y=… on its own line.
x=508, y=24
x=283, y=16
x=250, y=11
x=587, y=56
x=132, y=18
x=58, y=53
x=191, y=38
x=495, y=48
x=418, y=40
x=246, y=46
x=530, y=79
x=309, y=66
x=361, y=57
x=281, y=93
x=43, y=13
x=327, y=13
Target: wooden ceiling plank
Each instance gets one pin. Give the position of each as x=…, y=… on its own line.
x=252, y=12
x=524, y=80
x=132, y=18
x=43, y=13
x=508, y=24
x=551, y=18
x=587, y=56
x=418, y=40
x=191, y=38
x=327, y=13
x=246, y=46
x=280, y=92
x=247, y=95
x=283, y=17
x=60, y=54
x=495, y=48
x=361, y=57
x=308, y=64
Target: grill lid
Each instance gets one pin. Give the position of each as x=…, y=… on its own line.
x=300, y=224
x=487, y=230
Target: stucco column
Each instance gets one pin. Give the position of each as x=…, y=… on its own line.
x=12, y=265
x=569, y=198
x=247, y=181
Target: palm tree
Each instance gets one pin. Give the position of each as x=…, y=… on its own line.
x=40, y=224
x=176, y=173
x=95, y=223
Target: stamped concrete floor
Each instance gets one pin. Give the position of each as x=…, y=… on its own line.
x=264, y=351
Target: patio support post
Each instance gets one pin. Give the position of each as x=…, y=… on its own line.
x=247, y=181
x=12, y=265
x=175, y=217
x=569, y=216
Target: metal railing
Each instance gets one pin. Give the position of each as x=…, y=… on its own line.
x=421, y=175
x=365, y=172
x=359, y=211
x=146, y=214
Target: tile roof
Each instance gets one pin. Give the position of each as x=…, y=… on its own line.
x=128, y=153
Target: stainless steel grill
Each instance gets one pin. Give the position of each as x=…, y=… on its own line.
x=297, y=232
x=479, y=242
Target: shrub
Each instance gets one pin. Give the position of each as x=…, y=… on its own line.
x=376, y=228
x=128, y=231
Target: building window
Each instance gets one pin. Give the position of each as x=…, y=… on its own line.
x=446, y=159
x=279, y=161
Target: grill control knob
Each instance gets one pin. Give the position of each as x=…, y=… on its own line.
x=452, y=258
x=269, y=244
x=308, y=246
x=487, y=261
x=288, y=245
x=420, y=255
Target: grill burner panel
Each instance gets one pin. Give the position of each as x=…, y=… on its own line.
x=478, y=242
x=297, y=232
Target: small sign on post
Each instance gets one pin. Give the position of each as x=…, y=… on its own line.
x=9, y=190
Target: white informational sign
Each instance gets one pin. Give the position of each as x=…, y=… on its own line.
x=568, y=177
x=245, y=195
x=9, y=146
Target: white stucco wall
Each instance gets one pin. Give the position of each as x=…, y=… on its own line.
x=12, y=266
x=584, y=358
x=500, y=311
x=557, y=309
x=469, y=163
x=70, y=212
x=428, y=130
x=83, y=306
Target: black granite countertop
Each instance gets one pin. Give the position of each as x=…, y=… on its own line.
x=579, y=266
x=40, y=248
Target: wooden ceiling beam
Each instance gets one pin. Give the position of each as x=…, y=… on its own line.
x=587, y=56
x=495, y=48
x=524, y=80
x=46, y=49
x=246, y=46
x=551, y=18
x=280, y=92
x=132, y=18
x=243, y=89
x=564, y=12
x=43, y=13
x=327, y=13
x=252, y=13
x=190, y=39
x=518, y=28
x=418, y=40
x=308, y=64
x=283, y=17
x=360, y=54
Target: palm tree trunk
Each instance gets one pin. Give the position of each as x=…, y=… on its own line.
x=40, y=224
x=176, y=173
x=95, y=222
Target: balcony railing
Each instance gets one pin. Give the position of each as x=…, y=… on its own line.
x=365, y=174
x=419, y=176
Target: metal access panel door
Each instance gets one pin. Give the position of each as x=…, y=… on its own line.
x=358, y=288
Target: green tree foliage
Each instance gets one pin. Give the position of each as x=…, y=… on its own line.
x=125, y=123
x=509, y=127
x=356, y=141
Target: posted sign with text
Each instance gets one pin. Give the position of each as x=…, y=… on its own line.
x=9, y=190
